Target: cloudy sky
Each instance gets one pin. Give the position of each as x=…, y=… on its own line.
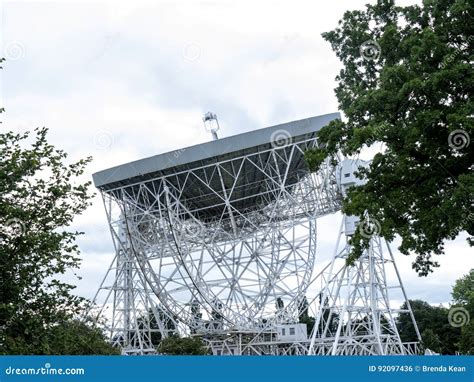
x=126, y=80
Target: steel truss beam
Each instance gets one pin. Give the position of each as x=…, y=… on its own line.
x=355, y=315
x=231, y=274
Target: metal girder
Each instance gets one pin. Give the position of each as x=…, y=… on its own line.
x=225, y=249
x=237, y=265
x=355, y=315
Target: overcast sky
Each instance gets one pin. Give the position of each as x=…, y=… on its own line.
x=126, y=80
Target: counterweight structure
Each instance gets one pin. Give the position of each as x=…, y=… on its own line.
x=218, y=240
x=355, y=315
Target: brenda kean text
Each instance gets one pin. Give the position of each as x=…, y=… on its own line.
x=417, y=368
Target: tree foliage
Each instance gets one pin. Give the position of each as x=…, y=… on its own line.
x=174, y=345
x=77, y=337
x=149, y=320
x=39, y=197
x=463, y=302
x=431, y=341
x=433, y=325
x=304, y=317
x=443, y=330
x=406, y=87
x=463, y=290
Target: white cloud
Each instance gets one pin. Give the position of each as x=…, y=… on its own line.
x=123, y=80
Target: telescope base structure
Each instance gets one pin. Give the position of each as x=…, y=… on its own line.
x=218, y=240
x=355, y=316
x=268, y=343
x=352, y=315
x=358, y=293
x=135, y=320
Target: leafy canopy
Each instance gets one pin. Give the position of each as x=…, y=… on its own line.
x=443, y=330
x=463, y=299
x=39, y=197
x=174, y=345
x=406, y=87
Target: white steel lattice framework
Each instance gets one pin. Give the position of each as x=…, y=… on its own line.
x=220, y=241
x=135, y=318
x=355, y=316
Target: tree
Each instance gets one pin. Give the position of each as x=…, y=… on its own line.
x=39, y=197
x=329, y=318
x=77, y=337
x=149, y=320
x=279, y=304
x=69, y=337
x=432, y=322
x=175, y=345
x=217, y=319
x=216, y=313
x=431, y=340
x=304, y=317
x=463, y=289
x=303, y=308
x=443, y=330
x=196, y=314
x=37, y=200
x=407, y=86
x=462, y=312
x=466, y=342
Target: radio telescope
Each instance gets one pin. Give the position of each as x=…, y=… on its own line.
x=218, y=239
